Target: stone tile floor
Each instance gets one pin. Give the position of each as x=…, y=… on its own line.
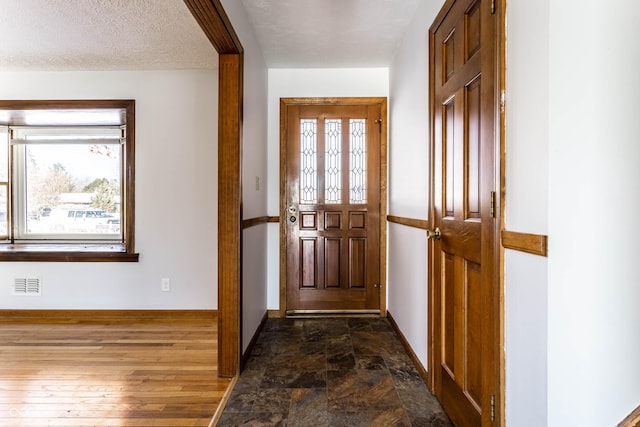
x=331, y=372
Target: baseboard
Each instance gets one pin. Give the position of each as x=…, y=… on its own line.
x=107, y=316
x=252, y=343
x=414, y=358
x=275, y=314
x=223, y=402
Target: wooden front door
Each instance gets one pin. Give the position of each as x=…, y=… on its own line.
x=463, y=262
x=331, y=209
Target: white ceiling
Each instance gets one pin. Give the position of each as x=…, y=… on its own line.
x=329, y=33
x=162, y=34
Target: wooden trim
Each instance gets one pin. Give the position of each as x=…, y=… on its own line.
x=632, y=420
x=223, y=402
x=275, y=314
x=384, y=167
x=66, y=256
x=73, y=252
x=252, y=343
x=65, y=104
x=130, y=178
x=216, y=25
x=531, y=243
x=230, y=213
x=501, y=32
x=335, y=101
x=102, y=316
x=283, y=192
x=412, y=355
x=252, y=222
x=409, y=222
x=431, y=294
x=286, y=102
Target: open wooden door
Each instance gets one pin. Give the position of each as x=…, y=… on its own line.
x=464, y=283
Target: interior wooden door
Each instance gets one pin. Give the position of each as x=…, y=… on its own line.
x=463, y=262
x=332, y=207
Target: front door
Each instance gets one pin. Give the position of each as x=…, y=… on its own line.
x=331, y=209
x=463, y=262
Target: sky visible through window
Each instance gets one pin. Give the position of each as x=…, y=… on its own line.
x=79, y=160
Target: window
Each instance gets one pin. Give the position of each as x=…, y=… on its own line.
x=66, y=181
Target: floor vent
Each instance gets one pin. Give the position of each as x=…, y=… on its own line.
x=27, y=286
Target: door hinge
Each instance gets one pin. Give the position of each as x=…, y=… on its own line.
x=492, y=208
x=493, y=6
x=492, y=411
x=502, y=101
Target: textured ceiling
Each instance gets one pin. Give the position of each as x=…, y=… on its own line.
x=162, y=34
x=101, y=35
x=330, y=33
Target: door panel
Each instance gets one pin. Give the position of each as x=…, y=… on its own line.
x=463, y=262
x=332, y=198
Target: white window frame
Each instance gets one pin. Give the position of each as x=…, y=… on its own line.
x=23, y=136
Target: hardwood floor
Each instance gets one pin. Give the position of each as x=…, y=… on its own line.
x=110, y=371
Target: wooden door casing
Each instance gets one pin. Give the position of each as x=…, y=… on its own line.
x=464, y=307
x=332, y=249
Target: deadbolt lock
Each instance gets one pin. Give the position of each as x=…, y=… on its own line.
x=292, y=211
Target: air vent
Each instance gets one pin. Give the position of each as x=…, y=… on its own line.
x=27, y=286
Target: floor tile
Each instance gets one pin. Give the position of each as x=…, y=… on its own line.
x=331, y=372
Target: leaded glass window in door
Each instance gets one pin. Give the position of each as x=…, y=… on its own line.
x=323, y=149
x=358, y=161
x=333, y=161
x=308, y=161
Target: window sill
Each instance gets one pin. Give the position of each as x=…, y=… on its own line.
x=31, y=252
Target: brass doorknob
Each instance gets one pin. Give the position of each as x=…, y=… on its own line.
x=435, y=234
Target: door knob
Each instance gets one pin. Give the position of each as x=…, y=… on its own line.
x=435, y=234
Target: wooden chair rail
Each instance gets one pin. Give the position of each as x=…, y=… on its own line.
x=409, y=222
x=251, y=222
x=535, y=244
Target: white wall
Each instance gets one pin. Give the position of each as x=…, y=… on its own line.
x=292, y=83
x=176, y=193
x=593, y=346
x=571, y=338
x=527, y=133
x=254, y=168
x=409, y=180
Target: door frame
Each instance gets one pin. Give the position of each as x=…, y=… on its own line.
x=499, y=173
x=285, y=103
x=216, y=25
